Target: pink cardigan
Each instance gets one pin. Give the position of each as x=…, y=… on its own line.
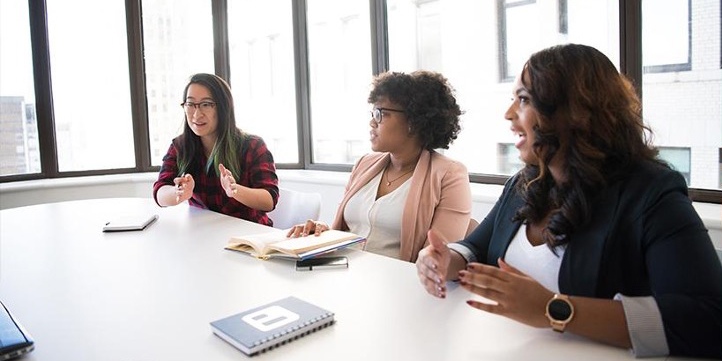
x=439, y=198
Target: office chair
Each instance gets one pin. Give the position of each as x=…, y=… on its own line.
x=295, y=207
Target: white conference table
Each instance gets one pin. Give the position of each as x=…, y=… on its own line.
x=150, y=295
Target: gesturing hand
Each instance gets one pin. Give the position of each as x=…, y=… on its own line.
x=432, y=265
x=227, y=181
x=184, y=188
x=304, y=229
x=517, y=295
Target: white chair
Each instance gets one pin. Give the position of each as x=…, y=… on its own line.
x=295, y=207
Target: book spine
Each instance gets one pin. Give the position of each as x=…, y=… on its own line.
x=292, y=333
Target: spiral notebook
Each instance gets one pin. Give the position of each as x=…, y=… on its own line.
x=271, y=325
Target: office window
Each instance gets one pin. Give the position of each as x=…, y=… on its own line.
x=19, y=151
x=666, y=34
x=91, y=84
x=678, y=159
x=684, y=106
x=339, y=52
x=464, y=42
x=260, y=37
x=509, y=161
x=178, y=42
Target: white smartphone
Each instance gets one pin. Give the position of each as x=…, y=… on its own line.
x=321, y=263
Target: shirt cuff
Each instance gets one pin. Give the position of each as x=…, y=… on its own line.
x=645, y=326
x=464, y=251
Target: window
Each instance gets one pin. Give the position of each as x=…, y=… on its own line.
x=262, y=73
x=19, y=151
x=678, y=159
x=178, y=42
x=526, y=26
x=666, y=34
x=465, y=48
x=509, y=161
x=683, y=105
x=339, y=51
x=91, y=84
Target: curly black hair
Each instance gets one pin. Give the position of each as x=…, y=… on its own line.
x=428, y=101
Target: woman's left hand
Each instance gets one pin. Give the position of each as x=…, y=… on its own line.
x=227, y=181
x=517, y=295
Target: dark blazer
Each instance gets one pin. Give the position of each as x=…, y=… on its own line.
x=644, y=239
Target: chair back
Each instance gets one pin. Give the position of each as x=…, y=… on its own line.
x=295, y=207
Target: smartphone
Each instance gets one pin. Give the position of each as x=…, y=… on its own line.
x=321, y=263
x=14, y=340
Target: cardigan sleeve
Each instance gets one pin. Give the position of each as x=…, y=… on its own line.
x=452, y=213
x=684, y=272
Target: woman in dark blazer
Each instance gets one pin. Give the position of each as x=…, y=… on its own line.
x=595, y=236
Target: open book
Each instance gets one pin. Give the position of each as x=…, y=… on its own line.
x=276, y=244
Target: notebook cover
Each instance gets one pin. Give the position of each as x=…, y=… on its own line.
x=270, y=325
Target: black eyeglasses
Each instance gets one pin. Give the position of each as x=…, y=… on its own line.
x=378, y=113
x=203, y=106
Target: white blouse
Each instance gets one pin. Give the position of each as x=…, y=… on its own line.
x=537, y=262
x=379, y=220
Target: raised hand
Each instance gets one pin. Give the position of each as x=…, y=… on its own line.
x=517, y=295
x=227, y=181
x=304, y=229
x=184, y=187
x=432, y=265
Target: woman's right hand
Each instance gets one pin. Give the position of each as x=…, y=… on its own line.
x=304, y=229
x=432, y=265
x=184, y=188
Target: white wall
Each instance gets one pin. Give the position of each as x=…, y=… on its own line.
x=330, y=185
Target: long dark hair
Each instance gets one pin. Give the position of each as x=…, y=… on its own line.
x=590, y=115
x=228, y=142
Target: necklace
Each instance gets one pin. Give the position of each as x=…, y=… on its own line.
x=389, y=181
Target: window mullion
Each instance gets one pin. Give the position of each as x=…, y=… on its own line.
x=43, y=89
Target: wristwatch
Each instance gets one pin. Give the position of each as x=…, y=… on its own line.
x=559, y=311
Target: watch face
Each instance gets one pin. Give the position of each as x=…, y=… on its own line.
x=559, y=310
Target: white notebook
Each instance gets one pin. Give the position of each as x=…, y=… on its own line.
x=130, y=223
x=262, y=328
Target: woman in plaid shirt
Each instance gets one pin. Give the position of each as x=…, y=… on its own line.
x=213, y=164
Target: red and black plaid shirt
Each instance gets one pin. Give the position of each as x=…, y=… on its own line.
x=257, y=171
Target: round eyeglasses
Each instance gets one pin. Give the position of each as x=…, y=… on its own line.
x=203, y=106
x=378, y=113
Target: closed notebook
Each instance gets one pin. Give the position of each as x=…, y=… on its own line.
x=271, y=325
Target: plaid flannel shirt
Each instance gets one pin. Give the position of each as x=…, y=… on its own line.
x=257, y=171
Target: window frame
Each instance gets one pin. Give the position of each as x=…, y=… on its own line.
x=630, y=65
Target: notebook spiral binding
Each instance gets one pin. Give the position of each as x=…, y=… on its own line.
x=294, y=329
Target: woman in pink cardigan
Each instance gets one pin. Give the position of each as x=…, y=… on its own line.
x=404, y=188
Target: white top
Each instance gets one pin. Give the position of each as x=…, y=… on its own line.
x=379, y=220
x=537, y=262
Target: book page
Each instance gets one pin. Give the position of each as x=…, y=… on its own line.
x=258, y=242
x=303, y=244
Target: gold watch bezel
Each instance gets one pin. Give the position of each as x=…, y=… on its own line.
x=559, y=325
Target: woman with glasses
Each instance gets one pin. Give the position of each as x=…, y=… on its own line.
x=595, y=235
x=403, y=189
x=213, y=164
